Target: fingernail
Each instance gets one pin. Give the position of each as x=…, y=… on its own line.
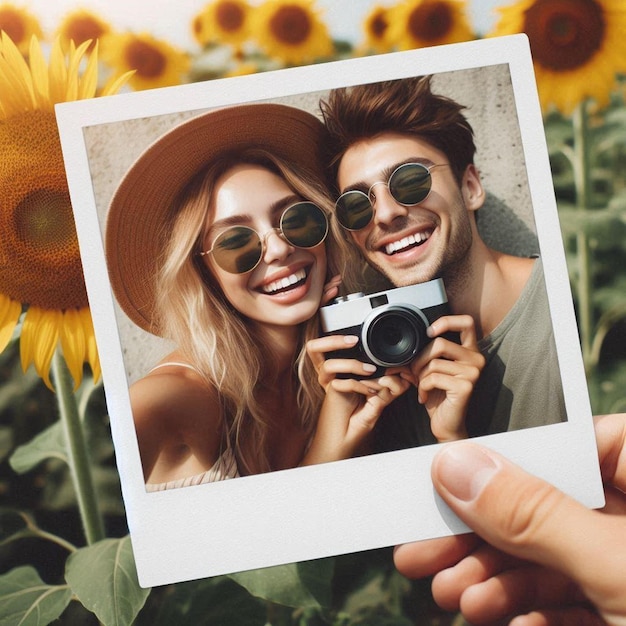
x=350, y=339
x=430, y=331
x=369, y=367
x=464, y=469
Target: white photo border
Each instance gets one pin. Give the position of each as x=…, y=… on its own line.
x=347, y=506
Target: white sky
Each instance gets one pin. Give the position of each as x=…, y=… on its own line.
x=170, y=19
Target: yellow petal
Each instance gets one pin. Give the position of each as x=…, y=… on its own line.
x=39, y=71
x=73, y=344
x=73, y=70
x=10, y=312
x=16, y=77
x=57, y=72
x=39, y=339
x=90, y=343
x=113, y=85
x=89, y=79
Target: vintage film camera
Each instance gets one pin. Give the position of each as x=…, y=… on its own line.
x=391, y=325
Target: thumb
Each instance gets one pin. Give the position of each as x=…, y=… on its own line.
x=526, y=517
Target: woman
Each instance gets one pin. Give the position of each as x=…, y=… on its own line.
x=217, y=239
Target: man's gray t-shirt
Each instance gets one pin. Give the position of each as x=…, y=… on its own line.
x=520, y=386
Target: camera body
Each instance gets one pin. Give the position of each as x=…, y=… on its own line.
x=391, y=325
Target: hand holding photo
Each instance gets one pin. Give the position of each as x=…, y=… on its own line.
x=313, y=284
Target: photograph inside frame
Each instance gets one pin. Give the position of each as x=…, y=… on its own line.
x=480, y=261
x=326, y=276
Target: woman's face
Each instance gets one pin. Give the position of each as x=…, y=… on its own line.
x=285, y=288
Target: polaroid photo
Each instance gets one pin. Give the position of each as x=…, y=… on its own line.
x=129, y=175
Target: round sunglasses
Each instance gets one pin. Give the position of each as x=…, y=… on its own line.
x=239, y=249
x=408, y=184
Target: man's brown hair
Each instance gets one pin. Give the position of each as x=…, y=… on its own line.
x=406, y=106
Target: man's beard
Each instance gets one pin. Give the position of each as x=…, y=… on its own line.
x=453, y=266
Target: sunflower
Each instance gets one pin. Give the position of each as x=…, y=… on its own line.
x=155, y=63
x=82, y=25
x=225, y=21
x=376, y=30
x=40, y=267
x=422, y=23
x=19, y=25
x=578, y=47
x=292, y=31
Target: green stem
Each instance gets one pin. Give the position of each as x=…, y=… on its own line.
x=42, y=534
x=78, y=456
x=582, y=177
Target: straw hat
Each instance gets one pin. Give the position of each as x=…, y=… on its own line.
x=138, y=214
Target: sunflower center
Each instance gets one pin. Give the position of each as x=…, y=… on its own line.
x=229, y=16
x=145, y=59
x=83, y=28
x=43, y=220
x=430, y=21
x=564, y=34
x=378, y=25
x=291, y=25
x=12, y=24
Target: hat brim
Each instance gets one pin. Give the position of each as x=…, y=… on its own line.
x=136, y=220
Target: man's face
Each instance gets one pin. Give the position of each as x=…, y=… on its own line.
x=411, y=244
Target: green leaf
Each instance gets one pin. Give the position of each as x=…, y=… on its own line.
x=27, y=601
x=305, y=585
x=207, y=602
x=604, y=225
x=611, y=296
x=104, y=578
x=50, y=443
x=559, y=132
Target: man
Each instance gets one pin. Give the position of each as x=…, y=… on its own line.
x=413, y=224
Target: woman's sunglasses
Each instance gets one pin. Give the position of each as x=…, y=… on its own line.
x=239, y=249
x=408, y=184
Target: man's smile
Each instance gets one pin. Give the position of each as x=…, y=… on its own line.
x=410, y=241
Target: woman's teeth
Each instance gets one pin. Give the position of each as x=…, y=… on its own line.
x=285, y=283
x=406, y=242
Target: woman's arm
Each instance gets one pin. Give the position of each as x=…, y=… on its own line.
x=178, y=424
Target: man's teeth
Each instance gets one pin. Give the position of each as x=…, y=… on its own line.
x=405, y=242
x=285, y=283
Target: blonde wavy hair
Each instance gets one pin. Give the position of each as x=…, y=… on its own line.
x=218, y=340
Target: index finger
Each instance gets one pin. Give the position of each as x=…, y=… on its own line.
x=425, y=558
x=317, y=348
x=462, y=324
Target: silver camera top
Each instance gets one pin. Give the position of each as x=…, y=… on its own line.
x=351, y=310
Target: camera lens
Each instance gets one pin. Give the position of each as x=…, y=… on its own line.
x=394, y=336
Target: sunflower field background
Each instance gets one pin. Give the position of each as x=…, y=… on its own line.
x=64, y=551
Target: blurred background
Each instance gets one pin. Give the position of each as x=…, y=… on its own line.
x=64, y=551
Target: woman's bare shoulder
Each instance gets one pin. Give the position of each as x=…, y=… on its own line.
x=176, y=394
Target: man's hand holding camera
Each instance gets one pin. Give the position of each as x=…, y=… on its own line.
x=445, y=373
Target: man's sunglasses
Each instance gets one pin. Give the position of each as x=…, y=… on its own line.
x=408, y=184
x=239, y=249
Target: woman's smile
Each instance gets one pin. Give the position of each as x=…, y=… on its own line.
x=292, y=281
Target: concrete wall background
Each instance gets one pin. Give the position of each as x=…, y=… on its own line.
x=506, y=221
